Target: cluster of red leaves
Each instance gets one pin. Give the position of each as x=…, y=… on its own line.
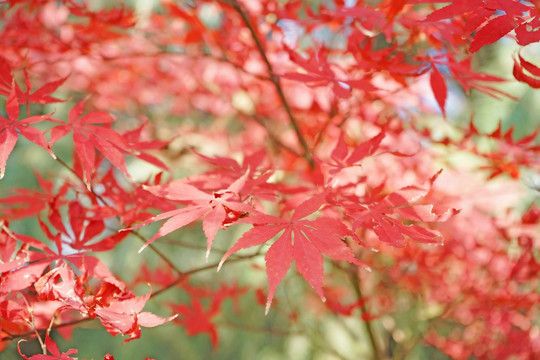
x=118, y=309
x=309, y=182
x=73, y=229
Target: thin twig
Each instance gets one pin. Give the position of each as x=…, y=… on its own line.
x=269, y=331
x=32, y=323
x=181, y=277
x=355, y=282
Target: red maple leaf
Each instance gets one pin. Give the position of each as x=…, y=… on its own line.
x=133, y=138
x=82, y=232
x=24, y=203
x=384, y=214
x=213, y=208
x=88, y=136
x=343, y=159
x=197, y=319
x=303, y=241
x=10, y=128
x=41, y=95
x=320, y=73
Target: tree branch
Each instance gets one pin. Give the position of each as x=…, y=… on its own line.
x=355, y=281
x=273, y=77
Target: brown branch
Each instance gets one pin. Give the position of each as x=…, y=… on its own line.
x=355, y=282
x=273, y=77
x=185, y=274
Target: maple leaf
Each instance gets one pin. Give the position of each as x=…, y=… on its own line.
x=303, y=241
x=23, y=202
x=213, y=208
x=10, y=128
x=133, y=139
x=228, y=169
x=126, y=317
x=511, y=154
x=342, y=158
x=382, y=215
x=456, y=8
x=41, y=95
x=196, y=319
x=319, y=73
x=21, y=277
x=87, y=137
x=130, y=204
x=79, y=232
x=469, y=79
